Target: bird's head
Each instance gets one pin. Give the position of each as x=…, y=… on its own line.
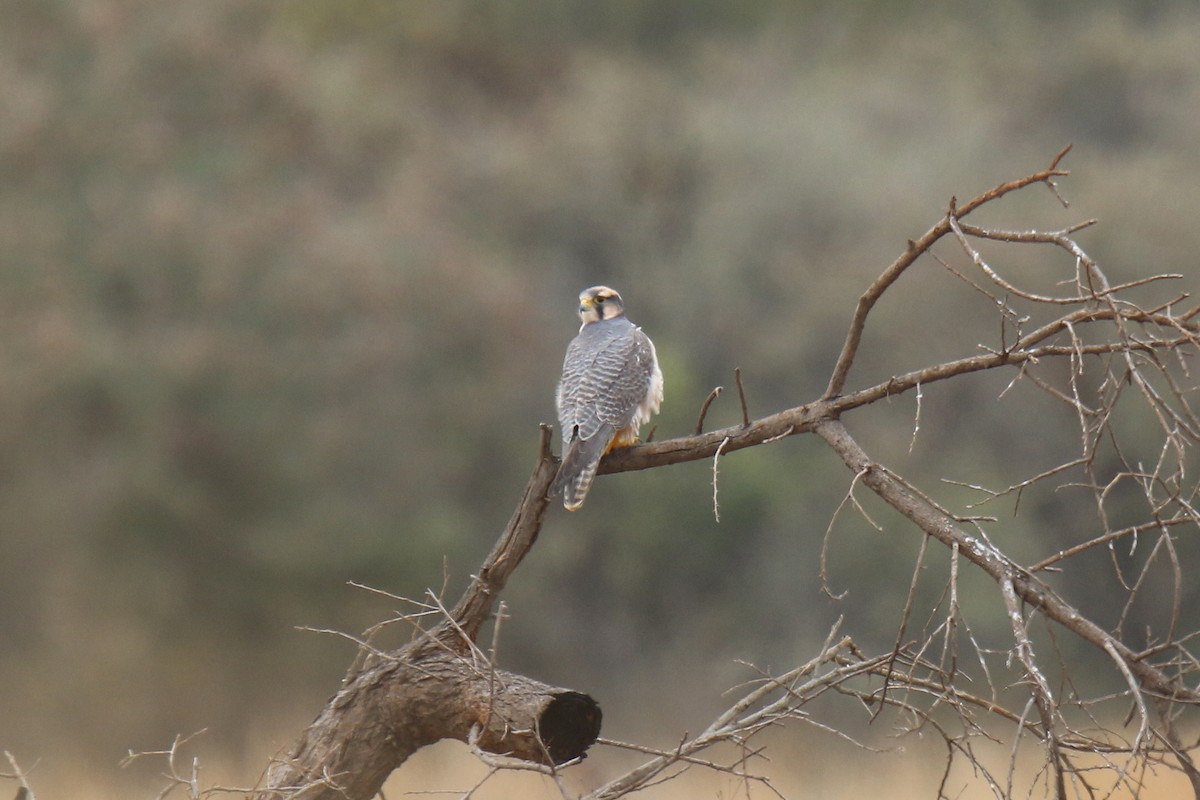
x=599, y=302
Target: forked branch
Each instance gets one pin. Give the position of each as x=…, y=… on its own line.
x=448, y=651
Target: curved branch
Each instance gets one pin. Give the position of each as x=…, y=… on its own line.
x=392, y=704
x=801, y=419
x=441, y=685
x=423, y=694
x=866, y=302
x=477, y=602
x=936, y=523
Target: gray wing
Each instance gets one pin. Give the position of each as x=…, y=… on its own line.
x=606, y=373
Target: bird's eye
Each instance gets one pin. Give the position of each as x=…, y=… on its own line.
x=600, y=299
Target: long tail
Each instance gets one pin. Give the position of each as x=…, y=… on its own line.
x=578, y=468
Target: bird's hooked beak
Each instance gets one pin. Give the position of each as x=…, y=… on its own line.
x=590, y=308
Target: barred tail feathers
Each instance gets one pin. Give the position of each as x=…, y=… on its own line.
x=578, y=468
x=576, y=491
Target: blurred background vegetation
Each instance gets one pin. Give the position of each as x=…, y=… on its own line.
x=285, y=290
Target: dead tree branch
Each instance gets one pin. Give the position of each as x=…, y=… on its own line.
x=442, y=684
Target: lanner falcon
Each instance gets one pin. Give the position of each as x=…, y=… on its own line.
x=611, y=384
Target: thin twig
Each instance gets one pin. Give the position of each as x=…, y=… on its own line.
x=737, y=376
x=713, y=395
x=716, y=457
x=1042, y=698
x=916, y=422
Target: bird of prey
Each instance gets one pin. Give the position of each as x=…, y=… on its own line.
x=611, y=384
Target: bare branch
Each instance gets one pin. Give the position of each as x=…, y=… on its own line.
x=1042, y=697
x=997, y=565
x=708, y=401
x=915, y=249
x=1094, y=325
x=737, y=376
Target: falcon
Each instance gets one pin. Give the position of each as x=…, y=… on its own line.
x=611, y=384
